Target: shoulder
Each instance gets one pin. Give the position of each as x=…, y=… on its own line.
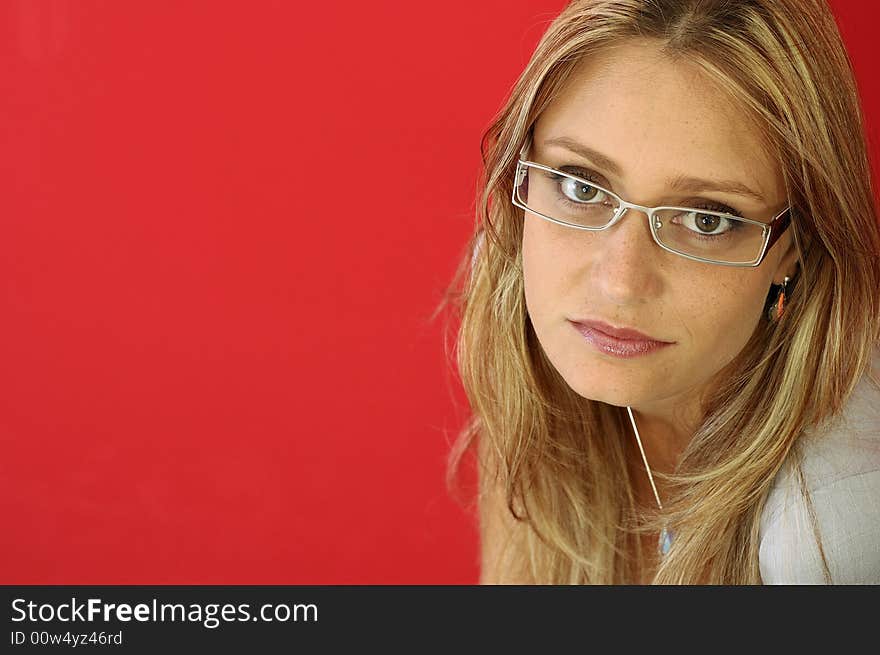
x=841, y=470
x=848, y=519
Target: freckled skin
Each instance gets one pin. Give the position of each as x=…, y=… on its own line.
x=657, y=119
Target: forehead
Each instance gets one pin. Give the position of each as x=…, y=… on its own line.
x=659, y=118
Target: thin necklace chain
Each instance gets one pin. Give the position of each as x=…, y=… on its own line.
x=664, y=542
x=644, y=459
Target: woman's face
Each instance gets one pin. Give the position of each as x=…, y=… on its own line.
x=656, y=121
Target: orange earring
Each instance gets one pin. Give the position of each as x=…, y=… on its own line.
x=778, y=307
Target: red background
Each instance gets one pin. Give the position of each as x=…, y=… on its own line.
x=224, y=228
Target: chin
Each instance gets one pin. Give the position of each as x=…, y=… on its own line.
x=588, y=390
x=608, y=399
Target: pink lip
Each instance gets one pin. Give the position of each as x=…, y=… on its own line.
x=619, y=342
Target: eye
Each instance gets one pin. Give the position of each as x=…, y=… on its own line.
x=708, y=224
x=580, y=192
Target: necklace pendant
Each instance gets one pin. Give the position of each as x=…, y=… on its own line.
x=665, y=541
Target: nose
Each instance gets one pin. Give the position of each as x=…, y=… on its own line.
x=625, y=265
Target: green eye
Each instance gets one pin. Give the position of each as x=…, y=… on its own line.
x=578, y=191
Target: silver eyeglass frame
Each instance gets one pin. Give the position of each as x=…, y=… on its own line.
x=771, y=231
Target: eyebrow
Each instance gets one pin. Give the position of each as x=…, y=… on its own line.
x=678, y=183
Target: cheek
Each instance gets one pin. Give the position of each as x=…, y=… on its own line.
x=533, y=265
x=722, y=317
x=543, y=264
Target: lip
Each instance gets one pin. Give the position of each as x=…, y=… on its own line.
x=618, y=342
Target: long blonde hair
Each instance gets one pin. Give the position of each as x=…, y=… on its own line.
x=562, y=459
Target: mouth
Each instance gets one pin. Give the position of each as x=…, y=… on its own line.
x=621, y=342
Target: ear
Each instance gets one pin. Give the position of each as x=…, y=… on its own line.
x=788, y=262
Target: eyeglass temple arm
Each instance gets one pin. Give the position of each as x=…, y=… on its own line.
x=777, y=227
x=526, y=145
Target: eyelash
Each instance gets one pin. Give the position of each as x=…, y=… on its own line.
x=708, y=205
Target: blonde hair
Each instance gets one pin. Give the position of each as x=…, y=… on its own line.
x=562, y=459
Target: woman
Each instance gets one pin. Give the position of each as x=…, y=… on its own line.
x=669, y=307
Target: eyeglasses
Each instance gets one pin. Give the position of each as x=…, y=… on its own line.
x=700, y=234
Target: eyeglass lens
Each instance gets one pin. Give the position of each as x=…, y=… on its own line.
x=691, y=232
